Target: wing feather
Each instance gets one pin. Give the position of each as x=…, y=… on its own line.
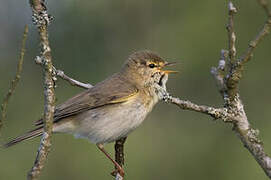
x=115, y=89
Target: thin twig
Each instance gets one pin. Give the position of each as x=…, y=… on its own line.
x=237, y=70
x=15, y=81
x=231, y=45
x=231, y=33
x=119, y=157
x=72, y=81
x=264, y=31
x=253, y=44
x=62, y=75
x=265, y=5
x=41, y=19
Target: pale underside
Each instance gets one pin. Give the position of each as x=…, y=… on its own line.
x=105, y=124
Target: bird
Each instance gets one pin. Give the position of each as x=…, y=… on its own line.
x=114, y=107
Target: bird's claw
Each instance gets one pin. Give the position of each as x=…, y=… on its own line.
x=119, y=171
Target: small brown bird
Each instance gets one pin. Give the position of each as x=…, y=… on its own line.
x=112, y=108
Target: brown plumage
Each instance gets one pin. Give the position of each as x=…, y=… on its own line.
x=114, y=107
x=134, y=78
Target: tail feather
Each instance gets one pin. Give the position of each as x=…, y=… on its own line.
x=29, y=135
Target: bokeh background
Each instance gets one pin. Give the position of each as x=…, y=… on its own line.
x=91, y=39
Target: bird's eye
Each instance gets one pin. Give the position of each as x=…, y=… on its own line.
x=151, y=65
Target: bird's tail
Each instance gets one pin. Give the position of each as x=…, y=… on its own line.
x=29, y=135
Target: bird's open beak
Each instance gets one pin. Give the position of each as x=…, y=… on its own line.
x=169, y=71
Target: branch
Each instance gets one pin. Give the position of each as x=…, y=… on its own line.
x=265, y=5
x=237, y=69
x=232, y=49
x=72, y=82
x=217, y=113
x=247, y=135
x=227, y=83
x=231, y=34
x=15, y=81
x=250, y=139
x=245, y=132
x=41, y=19
x=62, y=75
x=119, y=157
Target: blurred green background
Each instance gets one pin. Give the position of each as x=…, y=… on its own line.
x=91, y=39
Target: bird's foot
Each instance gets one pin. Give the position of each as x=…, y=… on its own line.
x=119, y=171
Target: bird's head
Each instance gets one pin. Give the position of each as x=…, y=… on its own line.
x=146, y=68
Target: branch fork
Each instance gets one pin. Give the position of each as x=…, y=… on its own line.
x=227, y=81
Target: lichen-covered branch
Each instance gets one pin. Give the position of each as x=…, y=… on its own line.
x=250, y=139
x=237, y=68
x=217, y=113
x=227, y=81
x=15, y=81
x=238, y=118
x=41, y=19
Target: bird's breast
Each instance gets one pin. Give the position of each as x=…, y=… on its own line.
x=148, y=97
x=109, y=123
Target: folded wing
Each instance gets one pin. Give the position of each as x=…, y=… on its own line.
x=115, y=89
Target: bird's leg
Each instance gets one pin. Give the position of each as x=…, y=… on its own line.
x=119, y=154
x=119, y=168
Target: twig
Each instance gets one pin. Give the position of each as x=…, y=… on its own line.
x=265, y=5
x=217, y=113
x=41, y=19
x=232, y=49
x=252, y=45
x=237, y=69
x=119, y=156
x=72, y=81
x=15, y=81
x=62, y=75
x=231, y=33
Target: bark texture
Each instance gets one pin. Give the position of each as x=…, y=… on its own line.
x=227, y=75
x=41, y=19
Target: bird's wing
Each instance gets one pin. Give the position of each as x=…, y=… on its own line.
x=110, y=91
